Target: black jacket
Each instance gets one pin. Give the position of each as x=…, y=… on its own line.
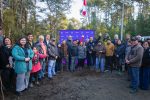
x=74, y=50
x=60, y=52
x=92, y=44
x=146, y=58
x=5, y=53
x=120, y=51
x=29, y=45
x=69, y=45
x=52, y=51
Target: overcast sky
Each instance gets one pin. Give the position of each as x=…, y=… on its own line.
x=75, y=10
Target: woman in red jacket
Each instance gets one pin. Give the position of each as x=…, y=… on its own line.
x=36, y=66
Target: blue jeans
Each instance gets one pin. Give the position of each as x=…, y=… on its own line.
x=51, y=68
x=129, y=72
x=73, y=64
x=43, y=70
x=135, y=77
x=100, y=63
x=145, y=78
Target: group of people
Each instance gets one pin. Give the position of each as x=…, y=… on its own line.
x=25, y=63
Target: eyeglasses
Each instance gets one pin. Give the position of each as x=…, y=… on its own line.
x=23, y=40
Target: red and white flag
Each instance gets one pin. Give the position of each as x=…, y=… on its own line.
x=84, y=3
x=84, y=12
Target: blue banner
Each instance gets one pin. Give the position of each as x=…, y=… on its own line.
x=76, y=34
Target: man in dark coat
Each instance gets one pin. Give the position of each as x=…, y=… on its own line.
x=120, y=55
x=53, y=56
x=91, y=54
x=69, y=45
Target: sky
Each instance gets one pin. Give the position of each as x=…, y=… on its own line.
x=135, y=10
x=76, y=6
x=75, y=9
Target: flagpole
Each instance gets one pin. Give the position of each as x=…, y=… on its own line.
x=122, y=21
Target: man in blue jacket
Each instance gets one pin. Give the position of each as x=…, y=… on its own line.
x=91, y=54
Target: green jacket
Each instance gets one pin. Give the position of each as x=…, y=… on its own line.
x=19, y=57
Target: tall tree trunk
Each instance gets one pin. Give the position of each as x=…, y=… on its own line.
x=1, y=14
x=34, y=16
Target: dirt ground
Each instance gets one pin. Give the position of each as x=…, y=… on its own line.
x=84, y=85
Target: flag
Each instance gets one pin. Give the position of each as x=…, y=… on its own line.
x=84, y=3
x=84, y=12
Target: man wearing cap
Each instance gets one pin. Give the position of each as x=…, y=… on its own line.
x=53, y=55
x=134, y=61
